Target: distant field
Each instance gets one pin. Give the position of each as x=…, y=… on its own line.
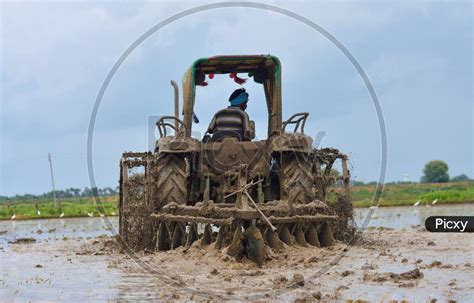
x=72, y=207
x=393, y=195
x=408, y=194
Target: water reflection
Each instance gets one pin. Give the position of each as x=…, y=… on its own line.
x=402, y=217
x=55, y=229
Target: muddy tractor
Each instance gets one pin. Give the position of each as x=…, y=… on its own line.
x=242, y=197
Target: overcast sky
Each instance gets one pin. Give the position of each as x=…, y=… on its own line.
x=55, y=56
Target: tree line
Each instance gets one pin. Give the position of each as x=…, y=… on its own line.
x=436, y=171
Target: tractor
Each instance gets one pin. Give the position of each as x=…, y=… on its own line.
x=242, y=197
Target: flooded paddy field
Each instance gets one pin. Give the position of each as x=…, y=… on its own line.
x=396, y=259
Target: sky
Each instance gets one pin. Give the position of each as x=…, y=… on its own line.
x=56, y=55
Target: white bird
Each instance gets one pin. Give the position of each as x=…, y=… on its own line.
x=417, y=203
x=90, y=214
x=14, y=216
x=61, y=215
x=434, y=202
x=38, y=212
x=372, y=211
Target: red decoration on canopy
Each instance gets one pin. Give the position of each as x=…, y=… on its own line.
x=211, y=76
x=239, y=80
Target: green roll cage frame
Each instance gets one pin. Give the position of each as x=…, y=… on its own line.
x=236, y=64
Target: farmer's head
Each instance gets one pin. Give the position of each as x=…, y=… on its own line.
x=239, y=98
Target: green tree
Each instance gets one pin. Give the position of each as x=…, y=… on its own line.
x=435, y=171
x=460, y=178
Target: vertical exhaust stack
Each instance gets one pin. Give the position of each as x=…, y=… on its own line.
x=176, y=105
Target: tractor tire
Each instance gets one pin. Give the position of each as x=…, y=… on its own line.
x=171, y=179
x=297, y=181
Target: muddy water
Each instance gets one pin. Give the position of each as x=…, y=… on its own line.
x=46, y=230
x=403, y=217
x=49, y=269
x=67, y=262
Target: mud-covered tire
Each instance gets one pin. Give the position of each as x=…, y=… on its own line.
x=171, y=179
x=297, y=182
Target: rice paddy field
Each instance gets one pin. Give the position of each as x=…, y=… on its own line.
x=72, y=207
x=409, y=193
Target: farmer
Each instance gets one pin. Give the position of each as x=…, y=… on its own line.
x=233, y=121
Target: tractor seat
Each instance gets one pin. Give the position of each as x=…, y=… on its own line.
x=230, y=122
x=220, y=135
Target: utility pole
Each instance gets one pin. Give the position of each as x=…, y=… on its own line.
x=52, y=180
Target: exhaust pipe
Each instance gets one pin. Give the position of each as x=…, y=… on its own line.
x=176, y=105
